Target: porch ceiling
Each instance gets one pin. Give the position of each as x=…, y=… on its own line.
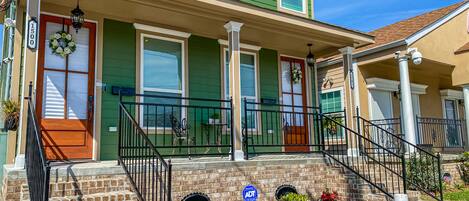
x=420, y=74
x=286, y=33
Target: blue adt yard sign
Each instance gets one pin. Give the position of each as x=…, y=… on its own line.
x=250, y=193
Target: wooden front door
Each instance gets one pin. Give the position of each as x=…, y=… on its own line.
x=65, y=91
x=295, y=124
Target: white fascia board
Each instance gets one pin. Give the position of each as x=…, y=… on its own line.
x=452, y=94
x=393, y=85
x=243, y=46
x=161, y=30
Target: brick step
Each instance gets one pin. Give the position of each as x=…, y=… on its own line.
x=87, y=187
x=110, y=196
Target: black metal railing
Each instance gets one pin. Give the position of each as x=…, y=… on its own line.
x=36, y=164
x=383, y=170
x=392, y=125
x=275, y=128
x=441, y=133
x=180, y=126
x=421, y=169
x=148, y=172
x=383, y=132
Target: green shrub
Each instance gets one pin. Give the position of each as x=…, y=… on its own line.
x=421, y=173
x=294, y=197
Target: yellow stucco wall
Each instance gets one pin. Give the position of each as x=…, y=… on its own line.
x=441, y=44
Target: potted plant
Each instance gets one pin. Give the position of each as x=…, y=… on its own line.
x=331, y=125
x=11, y=114
x=329, y=196
x=214, y=118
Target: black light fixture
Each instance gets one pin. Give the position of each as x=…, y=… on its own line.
x=77, y=17
x=310, y=58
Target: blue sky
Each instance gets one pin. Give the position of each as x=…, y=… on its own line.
x=367, y=15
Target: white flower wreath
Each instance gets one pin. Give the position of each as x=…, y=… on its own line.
x=62, y=43
x=296, y=75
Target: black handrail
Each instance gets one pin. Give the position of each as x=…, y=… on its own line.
x=148, y=172
x=277, y=128
x=441, y=133
x=383, y=170
x=182, y=126
x=422, y=168
x=36, y=164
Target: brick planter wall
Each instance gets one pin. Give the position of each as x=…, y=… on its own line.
x=226, y=180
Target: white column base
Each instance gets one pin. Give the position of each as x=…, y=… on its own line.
x=354, y=152
x=19, y=161
x=401, y=197
x=239, y=155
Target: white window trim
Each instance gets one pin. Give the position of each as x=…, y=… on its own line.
x=456, y=107
x=304, y=11
x=452, y=95
x=370, y=100
x=342, y=106
x=152, y=89
x=256, y=83
x=160, y=30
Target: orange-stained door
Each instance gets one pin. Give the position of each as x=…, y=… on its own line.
x=65, y=91
x=295, y=126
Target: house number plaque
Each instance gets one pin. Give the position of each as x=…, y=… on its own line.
x=32, y=33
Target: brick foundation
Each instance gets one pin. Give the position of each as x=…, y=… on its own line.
x=221, y=179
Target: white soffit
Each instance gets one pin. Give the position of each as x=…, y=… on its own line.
x=161, y=30
x=392, y=85
x=243, y=46
x=452, y=94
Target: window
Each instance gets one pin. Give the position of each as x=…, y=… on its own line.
x=294, y=5
x=331, y=101
x=248, y=81
x=161, y=74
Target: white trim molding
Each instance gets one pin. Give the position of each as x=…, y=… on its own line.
x=393, y=85
x=155, y=29
x=233, y=26
x=452, y=94
x=243, y=45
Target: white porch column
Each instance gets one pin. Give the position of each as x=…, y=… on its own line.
x=233, y=29
x=466, y=114
x=406, y=98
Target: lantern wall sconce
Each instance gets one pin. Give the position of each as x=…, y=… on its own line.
x=77, y=17
x=310, y=60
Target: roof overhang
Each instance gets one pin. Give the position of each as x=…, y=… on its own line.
x=262, y=27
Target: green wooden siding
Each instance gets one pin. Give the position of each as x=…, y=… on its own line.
x=268, y=84
x=204, y=68
x=268, y=73
x=119, y=46
x=204, y=72
x=268, y=4
x=272, y=4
